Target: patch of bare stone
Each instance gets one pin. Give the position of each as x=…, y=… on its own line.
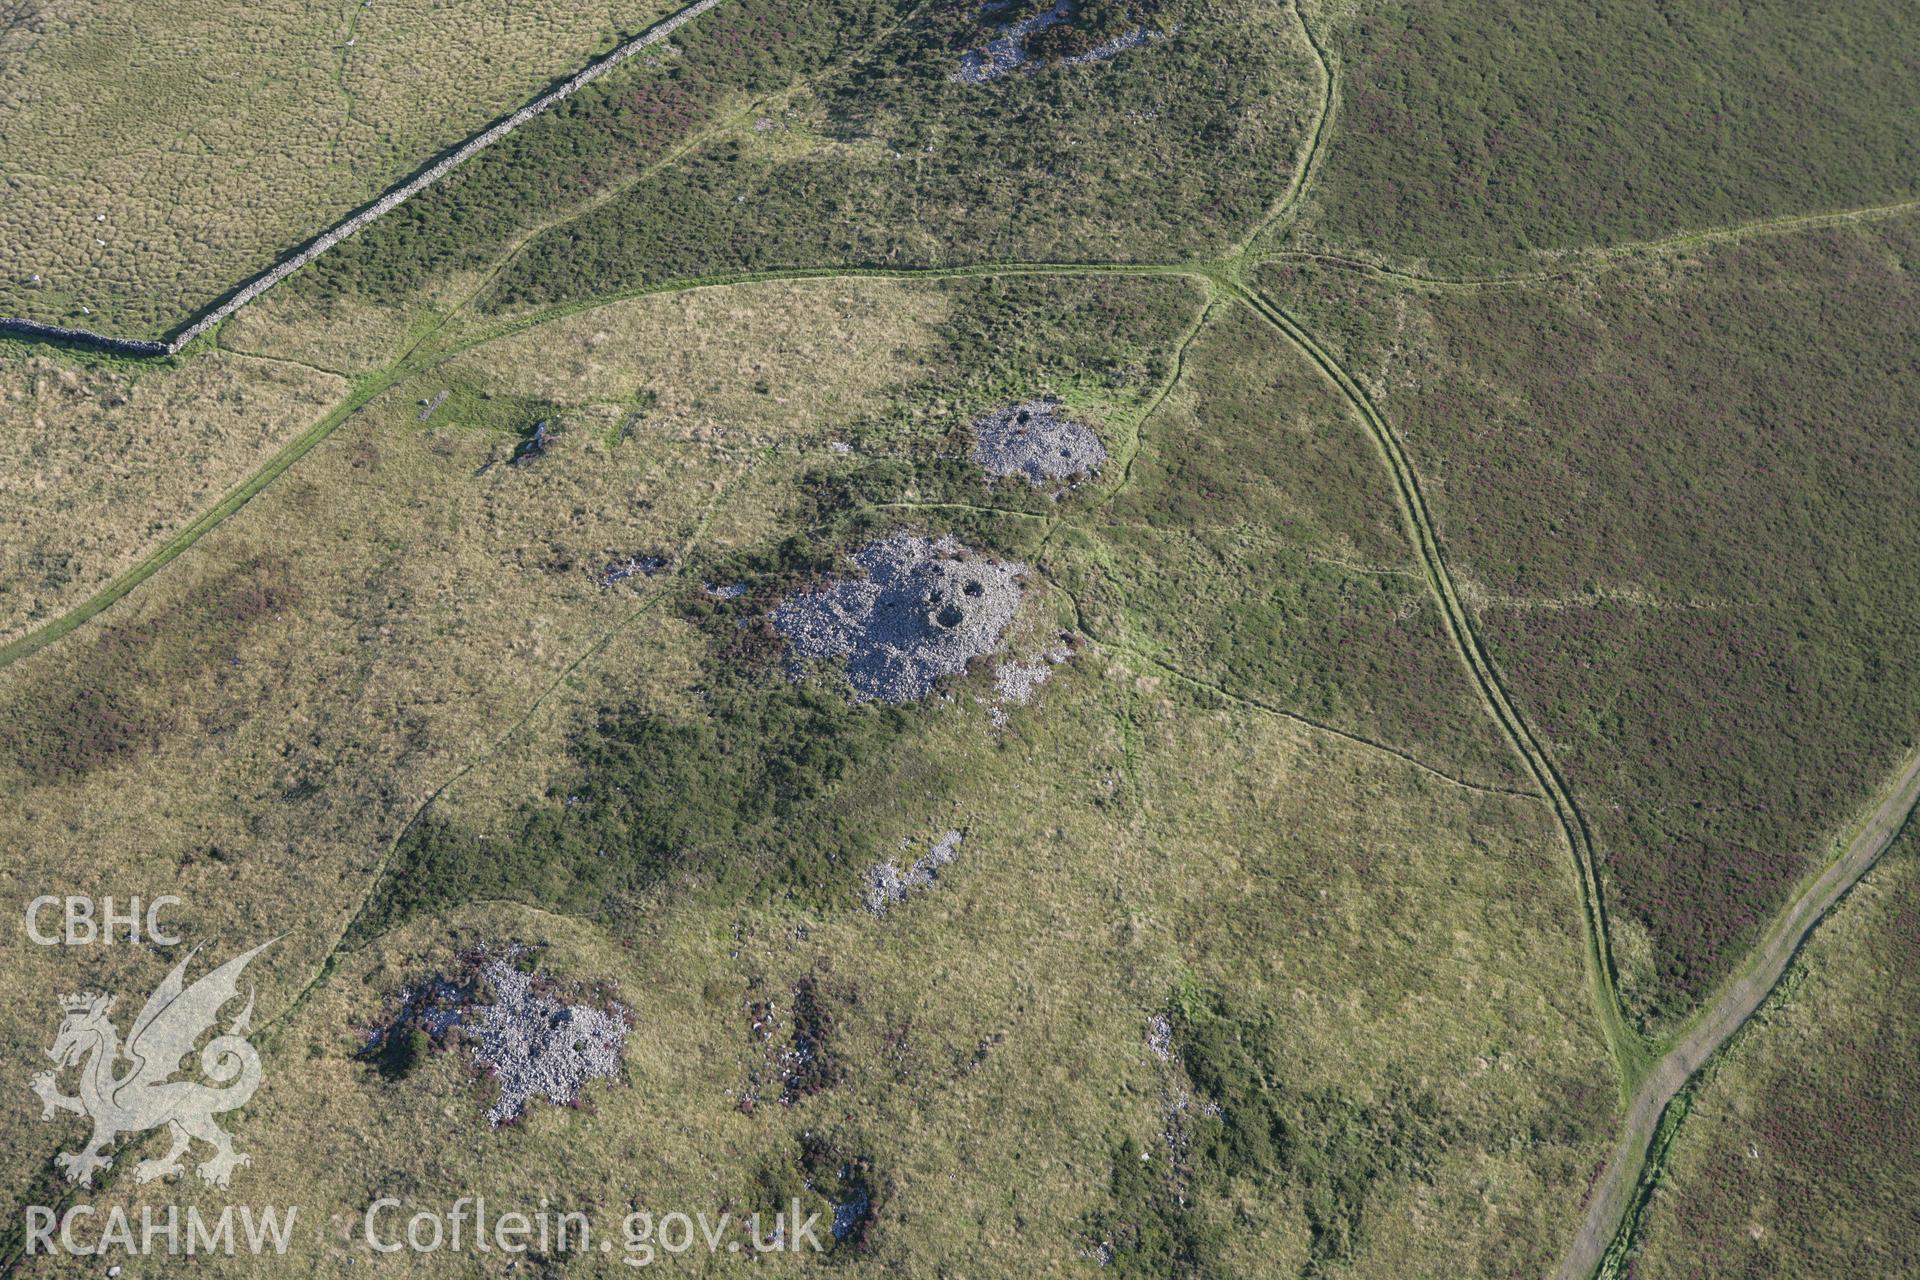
x=1007, y=52
x=525, y=1033
x=1036, y=441
x=917, y=610
x=889, y=884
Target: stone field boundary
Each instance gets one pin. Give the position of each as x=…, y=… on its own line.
x=386, y=204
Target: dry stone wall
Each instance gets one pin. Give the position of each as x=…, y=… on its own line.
x=378, y=209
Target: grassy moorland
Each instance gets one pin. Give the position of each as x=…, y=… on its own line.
x=113, y=456
x=158, y=157
x=396, y=601
x=1795, y=1154
x=1255, y=915
x=1475, y=130
x=669, y=814
x=731, y=814
x=1016, y=998
x=1676, y=495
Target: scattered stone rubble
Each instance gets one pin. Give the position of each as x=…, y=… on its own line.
x=888, y=885
x=534, y=1044
x=1033, y=440
x=529, y=1040
x=630, y=567
x=849, y=1214
x=428, y=406
x=1015, y=682
x=921, y=610
x=1177, y=1104
x=1160, y=1037
x=808, y=1064
x=1007, y=52
x=432, y=1006
x=534, y=446
x=1115, y=47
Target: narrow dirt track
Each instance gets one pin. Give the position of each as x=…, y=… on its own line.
x=1626, y=1046
x=1743, y=994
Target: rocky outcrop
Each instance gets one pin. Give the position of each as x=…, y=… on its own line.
x=917, y=611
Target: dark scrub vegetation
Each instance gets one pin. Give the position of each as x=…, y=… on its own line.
x=1683, y=495
x=1329, y=1151
x=818, y=1173
x=748, y=794
x=1094, y=23
x=604, y=136
x=1477, y=128
x=1169, y=150
x=399, y=1054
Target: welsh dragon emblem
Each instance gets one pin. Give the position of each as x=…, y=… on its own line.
x=144, y=1096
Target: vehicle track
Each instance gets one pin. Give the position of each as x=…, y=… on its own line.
x=1281, y=713
x=1593, y=261
x=1289, y=201
x=1606, y=1228
x=1630, y=1053
x=1651, y=1084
